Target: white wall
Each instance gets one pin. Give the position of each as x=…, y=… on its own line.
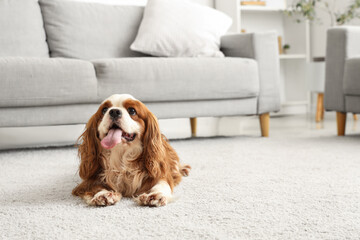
x=116, y=2
x=209, y=3
x=275, y=3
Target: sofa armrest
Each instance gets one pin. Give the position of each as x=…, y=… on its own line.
x=342, y=44
x=263, y=47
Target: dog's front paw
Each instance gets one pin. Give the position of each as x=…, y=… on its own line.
x=156, y=199
x=105, y=198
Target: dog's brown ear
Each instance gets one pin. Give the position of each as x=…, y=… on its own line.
x=154, y=150
x=89, y=150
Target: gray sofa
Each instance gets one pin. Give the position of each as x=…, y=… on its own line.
x=60, y=59
x=342, y=85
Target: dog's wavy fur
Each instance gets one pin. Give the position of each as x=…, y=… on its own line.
x=137, y=168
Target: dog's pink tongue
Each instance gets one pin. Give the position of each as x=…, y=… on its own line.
x=112, y=138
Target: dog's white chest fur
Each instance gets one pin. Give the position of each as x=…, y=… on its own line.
x=121, y=172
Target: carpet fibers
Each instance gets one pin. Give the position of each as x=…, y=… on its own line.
x=239, y=188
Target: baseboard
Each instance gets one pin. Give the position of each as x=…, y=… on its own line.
x=293, y=108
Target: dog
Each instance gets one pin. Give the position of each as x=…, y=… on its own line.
x=123, y=154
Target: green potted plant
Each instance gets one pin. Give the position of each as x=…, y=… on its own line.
x=307, y=9
x=285, y=48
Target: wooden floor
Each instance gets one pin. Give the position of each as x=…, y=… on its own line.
x=249, y=126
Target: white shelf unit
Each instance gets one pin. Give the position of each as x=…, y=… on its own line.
x=261, y=9
x=294, y=93
x=292, y=56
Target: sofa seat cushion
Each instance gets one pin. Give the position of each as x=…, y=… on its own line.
x=45, y=81
x=178, y=79
x=352, y=77
x=21, y=29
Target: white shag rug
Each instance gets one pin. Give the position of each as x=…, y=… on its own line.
x=239, y=188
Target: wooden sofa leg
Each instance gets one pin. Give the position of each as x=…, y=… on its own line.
x=341, y=123
x=193, y=123
x=320, y=107
x=264, y=124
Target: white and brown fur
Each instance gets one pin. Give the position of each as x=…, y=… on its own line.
x=146, y=168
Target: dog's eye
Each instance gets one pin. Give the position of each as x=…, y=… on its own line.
x=131, y=111
x=104, y=110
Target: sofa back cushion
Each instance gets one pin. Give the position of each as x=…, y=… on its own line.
x=46, y=81
x=90, y=30
x=22, y=31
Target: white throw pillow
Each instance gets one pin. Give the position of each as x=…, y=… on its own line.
x=180, y=28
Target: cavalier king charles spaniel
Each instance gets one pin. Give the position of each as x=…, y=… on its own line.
x=123, y=153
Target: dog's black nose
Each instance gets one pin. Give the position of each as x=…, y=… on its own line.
x=115, y=113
